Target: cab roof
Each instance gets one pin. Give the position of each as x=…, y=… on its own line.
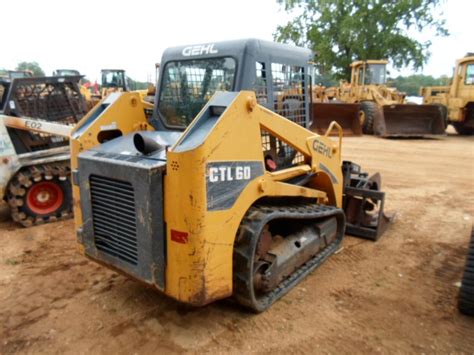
x=466, y=59
x=369, y=61
x=278, y=52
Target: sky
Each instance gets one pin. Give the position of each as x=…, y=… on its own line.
x=89, y=35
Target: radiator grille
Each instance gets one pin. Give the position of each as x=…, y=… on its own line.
x=114, y=218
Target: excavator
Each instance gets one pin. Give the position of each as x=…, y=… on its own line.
x=222, y=190
x=383, y=110
x=457, y=99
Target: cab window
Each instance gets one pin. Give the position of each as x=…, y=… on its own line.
x=375, y=74
x=469, y=74
x=187, y=86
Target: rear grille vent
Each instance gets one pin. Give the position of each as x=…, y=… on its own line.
x=114, y=218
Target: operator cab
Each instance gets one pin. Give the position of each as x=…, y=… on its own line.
x=469, y=74
x=114, y=79
x=190, y=75
x=370, y=72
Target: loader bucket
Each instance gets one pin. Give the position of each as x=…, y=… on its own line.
x=347, y=115
x=410, y=121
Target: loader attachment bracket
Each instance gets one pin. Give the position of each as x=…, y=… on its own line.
x=363, y=203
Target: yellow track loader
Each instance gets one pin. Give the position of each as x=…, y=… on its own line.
x=456, y=100
x=383, y=110
x=222, y=191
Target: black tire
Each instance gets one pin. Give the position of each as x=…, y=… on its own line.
x=462, y=127
x=370, y=110
x=30, y=181
x=466, y=292
x=444, y=114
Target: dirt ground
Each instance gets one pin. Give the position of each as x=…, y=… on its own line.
x=397, y=295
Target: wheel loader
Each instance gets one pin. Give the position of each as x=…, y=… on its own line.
x=35, y=119
x=222, y=191
x=384, y=110
x=456, y=100
x=114, y=80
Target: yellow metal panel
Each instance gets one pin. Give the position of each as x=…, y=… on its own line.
x=199, y=271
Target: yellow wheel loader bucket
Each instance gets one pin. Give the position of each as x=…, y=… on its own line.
x=410, y=121
x=347, y=115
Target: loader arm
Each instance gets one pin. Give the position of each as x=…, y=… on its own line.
x=205, y=199
x=378, y=97
x=37, y=125
x=318, y=150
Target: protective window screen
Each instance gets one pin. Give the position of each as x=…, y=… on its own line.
x=261, y=83
x=188, y=85
x=289, y=92
x=279, y=153
x=469, y=75
x=375, y=74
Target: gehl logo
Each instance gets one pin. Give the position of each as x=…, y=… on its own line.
x=229, y=173
x=199, y=50
x=322, y=148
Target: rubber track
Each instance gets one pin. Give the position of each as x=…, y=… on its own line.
x=244, y=250
x=18, y=186
x=466, y=293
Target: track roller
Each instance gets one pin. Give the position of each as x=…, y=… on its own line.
x=278, y=245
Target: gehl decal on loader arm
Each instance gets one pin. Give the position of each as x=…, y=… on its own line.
x=244, y=202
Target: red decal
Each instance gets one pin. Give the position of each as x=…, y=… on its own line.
x=179, y=237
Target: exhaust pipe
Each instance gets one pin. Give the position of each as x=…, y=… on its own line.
x=145, y=144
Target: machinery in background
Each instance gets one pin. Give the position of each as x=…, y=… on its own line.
x=8, y=75
x=36, y=116
x=85, y=87
x=113, y=80
x=325, y=109
x=383, y=110
x=66, y=72
x=457, y=99
x=13, y=74
x=218, y=193
x=151, y=92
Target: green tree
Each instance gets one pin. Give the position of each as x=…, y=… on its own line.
x=341, y=31
x=33, y=66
